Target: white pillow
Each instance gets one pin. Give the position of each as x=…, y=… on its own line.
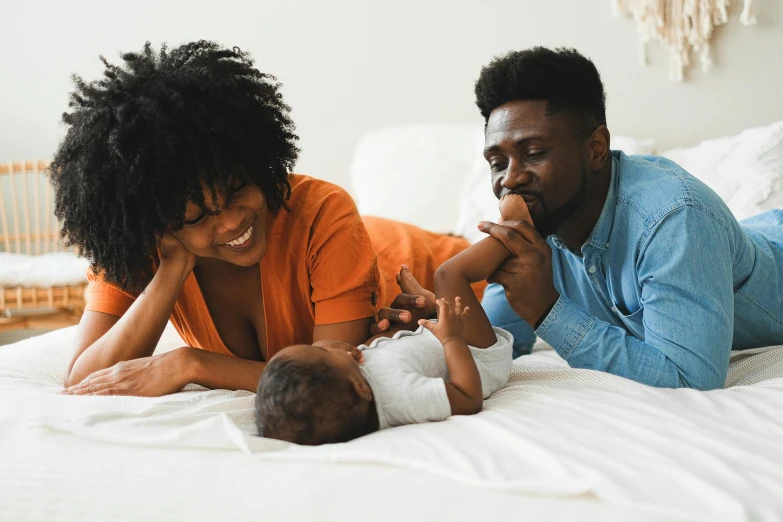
x=55, y=269
x=478, y=202
x=745, y=170
x=415, y=173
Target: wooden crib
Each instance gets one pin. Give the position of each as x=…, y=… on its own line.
x=28, y=226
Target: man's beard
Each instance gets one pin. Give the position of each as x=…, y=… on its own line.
x=548, y=224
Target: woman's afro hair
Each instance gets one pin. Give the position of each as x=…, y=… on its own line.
x=145, y=139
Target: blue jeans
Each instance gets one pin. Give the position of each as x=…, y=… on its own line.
x=501, y=315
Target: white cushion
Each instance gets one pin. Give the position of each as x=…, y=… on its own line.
x=745, y=170
x=416, y=173
x=55, y=269
x=478, y=202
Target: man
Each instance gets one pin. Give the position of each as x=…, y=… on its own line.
x=634, y=267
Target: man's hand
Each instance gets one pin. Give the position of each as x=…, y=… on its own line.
x=412, y=304
x=451, y=321
x=527, y=275
x=147, y=377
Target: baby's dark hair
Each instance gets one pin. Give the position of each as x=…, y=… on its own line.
x=307, y=403
x=143, y=140
x=568, y=81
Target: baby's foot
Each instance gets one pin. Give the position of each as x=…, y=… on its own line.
x=513, y=207
x=409, y=285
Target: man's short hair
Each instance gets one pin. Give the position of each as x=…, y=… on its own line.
x=566, y=80
x=307, y=403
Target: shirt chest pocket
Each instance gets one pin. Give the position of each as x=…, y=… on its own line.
x=632, y=321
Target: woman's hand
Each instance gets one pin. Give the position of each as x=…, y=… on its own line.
x=451, y=321
x=171, y=250
x=334, y=345
x=145, y=377
x=412, y=304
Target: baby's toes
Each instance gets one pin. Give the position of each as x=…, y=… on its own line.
x=513, y=206
x=408, y=283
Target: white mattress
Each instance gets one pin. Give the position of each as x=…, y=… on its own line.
x=556, y=443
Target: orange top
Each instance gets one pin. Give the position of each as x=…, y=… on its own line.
x=319, y=268
x=423, y=251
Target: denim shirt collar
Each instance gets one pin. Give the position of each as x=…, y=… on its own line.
x=599, y=237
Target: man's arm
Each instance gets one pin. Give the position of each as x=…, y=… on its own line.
x=685, y=274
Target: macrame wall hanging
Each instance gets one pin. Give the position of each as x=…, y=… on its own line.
x=681, y=26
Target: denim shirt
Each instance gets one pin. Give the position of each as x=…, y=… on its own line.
x=668, y=282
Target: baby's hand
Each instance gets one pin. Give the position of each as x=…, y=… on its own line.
x=514, y=208
x=451, y=320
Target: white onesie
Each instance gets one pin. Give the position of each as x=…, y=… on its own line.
x=407, y=375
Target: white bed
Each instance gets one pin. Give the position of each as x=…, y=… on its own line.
x=555, y=444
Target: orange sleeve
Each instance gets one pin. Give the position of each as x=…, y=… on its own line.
x=104, y=297
x=343, y=267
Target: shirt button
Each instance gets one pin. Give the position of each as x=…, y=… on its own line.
x=592, y=270
x=614, y=309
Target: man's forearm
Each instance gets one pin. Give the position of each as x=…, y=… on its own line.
x=584, y=341
x=137, y=332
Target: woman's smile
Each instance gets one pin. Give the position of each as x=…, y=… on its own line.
x=243, y=241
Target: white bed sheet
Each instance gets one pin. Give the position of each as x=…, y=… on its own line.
x=555, y=440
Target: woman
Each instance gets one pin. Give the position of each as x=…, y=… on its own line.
x=174, y=180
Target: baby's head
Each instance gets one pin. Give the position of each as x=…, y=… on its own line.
x=313, y=394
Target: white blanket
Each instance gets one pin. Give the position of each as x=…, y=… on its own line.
x=43, y=271
x=553, y=430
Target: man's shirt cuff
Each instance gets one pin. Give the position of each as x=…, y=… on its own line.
x=565, y=327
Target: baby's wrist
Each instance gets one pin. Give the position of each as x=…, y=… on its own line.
x=452, y=339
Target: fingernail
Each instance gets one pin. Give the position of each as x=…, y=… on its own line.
x=420, y=301
x=481, y=226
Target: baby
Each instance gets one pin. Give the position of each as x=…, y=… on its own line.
x=333, y=392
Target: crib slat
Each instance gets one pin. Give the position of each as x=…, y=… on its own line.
x=3, y=218
x=15, y=207
x=48, y=213
x=26, y=206
x=37, y=208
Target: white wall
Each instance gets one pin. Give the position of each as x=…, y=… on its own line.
x=349, y=66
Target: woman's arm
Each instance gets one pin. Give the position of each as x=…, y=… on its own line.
x=104, y=340
x=170, y=372
x=351, y=332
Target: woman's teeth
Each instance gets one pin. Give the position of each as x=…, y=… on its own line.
x=241, y=240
